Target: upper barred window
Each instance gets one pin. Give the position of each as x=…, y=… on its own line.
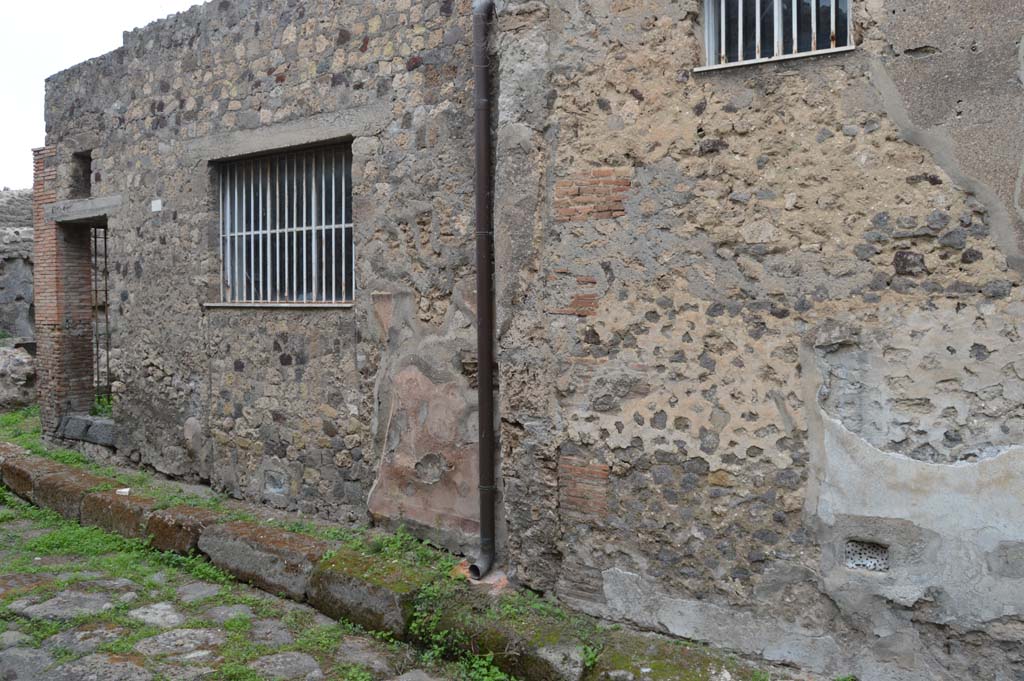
x=286, y=229
x=754, y=31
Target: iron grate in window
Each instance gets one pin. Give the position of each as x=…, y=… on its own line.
x=286, y=233
x=755, y=31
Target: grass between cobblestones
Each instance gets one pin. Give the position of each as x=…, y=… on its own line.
x=453, y=625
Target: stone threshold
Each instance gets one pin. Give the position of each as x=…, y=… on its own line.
x=339, y=582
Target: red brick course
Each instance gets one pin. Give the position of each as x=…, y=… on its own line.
x=596, y=194
x=63, y=305
x=583, y=486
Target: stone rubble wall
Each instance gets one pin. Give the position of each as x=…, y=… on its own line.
x=340, y=412
x=730, y=304
x=16, y=310
x=803, y=246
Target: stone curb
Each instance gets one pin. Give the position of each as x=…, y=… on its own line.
x=274, y=560
x=64, y=490
x=20, y=473
x=178, y=529
x=339, y=588
x=124, y=515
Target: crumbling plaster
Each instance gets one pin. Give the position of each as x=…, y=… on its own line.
x=766, y=202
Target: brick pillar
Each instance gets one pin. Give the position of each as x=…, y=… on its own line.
x=63, y=300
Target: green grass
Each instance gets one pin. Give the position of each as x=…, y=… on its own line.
x=103, y=405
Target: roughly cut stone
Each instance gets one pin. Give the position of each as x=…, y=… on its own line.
x=10, y=584
x=177, y=529
x=416, y=675
x=10, y=639
x=364, y=652
x=340, y=588
x=21, y=472
x=84, y=639
x=271, y=633
x=223, y=613
x=197, y=591
x=123, y=515
x=161, y=615
x=288, y=666
x=64, y=491
x=271, y=559
x=179, y=641
x=24, y=664
x=101, y=668
x=66, y=605
x=908, y=263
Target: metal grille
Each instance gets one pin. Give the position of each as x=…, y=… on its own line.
x=100, y=313
x=286, y=228
x=862, y=555
x=754, y=31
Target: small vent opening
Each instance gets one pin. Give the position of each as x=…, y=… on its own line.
x=864, y=555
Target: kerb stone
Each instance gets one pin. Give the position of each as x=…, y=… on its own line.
x=270, y=559
x=341, y=588
x=63, y=491
x=21, y=472
x=178, y=529
x=123, y=515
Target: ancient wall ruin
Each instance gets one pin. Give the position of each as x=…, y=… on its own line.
x=16, y=311
x=759, y=328
x=762, y=390
x=303, y=409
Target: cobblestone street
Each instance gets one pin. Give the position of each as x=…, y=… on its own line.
x=78, y=604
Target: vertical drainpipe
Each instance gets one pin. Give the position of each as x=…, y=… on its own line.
x=483, y=10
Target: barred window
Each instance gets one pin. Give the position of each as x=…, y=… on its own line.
x=286, y=228
x=755, y=31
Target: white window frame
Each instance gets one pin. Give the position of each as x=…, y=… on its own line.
x=286, y=229
x=714, y=34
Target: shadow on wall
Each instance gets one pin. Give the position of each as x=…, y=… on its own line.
x=17, y=365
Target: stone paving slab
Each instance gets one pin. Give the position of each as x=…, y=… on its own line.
x=185, y=628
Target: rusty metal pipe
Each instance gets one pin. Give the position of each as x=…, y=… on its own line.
x=483, y=10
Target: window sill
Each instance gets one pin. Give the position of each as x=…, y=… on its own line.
x=279, y=306
x=769, y=60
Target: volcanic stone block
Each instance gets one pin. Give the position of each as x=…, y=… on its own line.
x=123, y=515
x=358, y=588
x=21, y=472
x=276, y=561
x=63, y=491
x=178, y=529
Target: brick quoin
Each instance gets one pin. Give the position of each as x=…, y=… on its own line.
x=583, y=487
x=62, y=279
x=595, y=194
